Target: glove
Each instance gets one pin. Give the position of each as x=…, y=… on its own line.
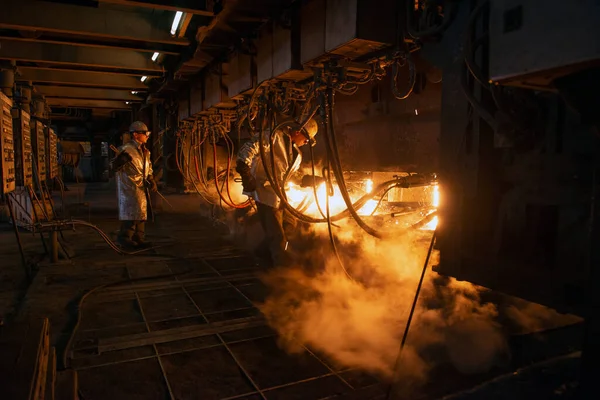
x=119, y=162
x=152, y=186
x=307, y=180
x=248, y=181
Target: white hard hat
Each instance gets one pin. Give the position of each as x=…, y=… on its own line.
x=138, y=126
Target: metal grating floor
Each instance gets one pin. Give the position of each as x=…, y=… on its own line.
x=130, y=346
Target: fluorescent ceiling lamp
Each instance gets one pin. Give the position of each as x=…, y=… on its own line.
x=155, y=55
x=143, y=78
x=176, y=22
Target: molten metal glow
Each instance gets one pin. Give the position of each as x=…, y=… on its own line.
x=435, y=202
x=303, y=199
x=368, y=186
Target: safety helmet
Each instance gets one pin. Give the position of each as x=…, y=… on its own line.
x=139, y=126
x=311, y=128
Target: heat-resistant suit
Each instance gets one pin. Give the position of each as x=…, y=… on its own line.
x=131, y=189
x=287, y=160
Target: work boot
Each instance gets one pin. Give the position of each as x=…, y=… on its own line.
x=141, y=243
x=139, y=236
x=125, y=234
x=126, y=242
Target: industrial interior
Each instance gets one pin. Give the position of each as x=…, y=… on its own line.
x=299, y=199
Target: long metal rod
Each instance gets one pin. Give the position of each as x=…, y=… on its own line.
x=397, y=364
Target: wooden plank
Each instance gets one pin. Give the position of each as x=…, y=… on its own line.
x=67, y=385
x=25, y=350
x=51, y=377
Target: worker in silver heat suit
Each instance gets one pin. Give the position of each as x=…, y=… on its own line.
x=133, y=171
x=287, y=156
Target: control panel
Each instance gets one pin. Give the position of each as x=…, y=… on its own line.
x=23, y=153
x=39, y=149
x=52, y=154
x=7, y=146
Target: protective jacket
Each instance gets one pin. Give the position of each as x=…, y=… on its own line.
x=287, y=159
x=131, y=186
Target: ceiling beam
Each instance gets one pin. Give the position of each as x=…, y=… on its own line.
x=76, y=55
x=83, y=103
x=80, y=78
x=32, y=15
x=142, y=47
x=196, y=7
x=86, y=93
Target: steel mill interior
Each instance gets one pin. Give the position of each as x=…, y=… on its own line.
x=299, y=199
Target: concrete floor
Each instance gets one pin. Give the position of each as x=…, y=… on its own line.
x=188, y=326
x=203, y=281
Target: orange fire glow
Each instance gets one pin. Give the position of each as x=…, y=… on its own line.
x=435, y=202
x=303, y=199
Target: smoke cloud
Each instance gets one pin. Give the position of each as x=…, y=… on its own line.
x=358, y=322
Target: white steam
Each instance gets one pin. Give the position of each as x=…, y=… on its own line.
x=359, y=323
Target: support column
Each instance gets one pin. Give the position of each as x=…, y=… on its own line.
x=7, y=81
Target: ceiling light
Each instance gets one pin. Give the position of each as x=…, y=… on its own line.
x=155, y=55
x=143, y=78
x=126, y=102
x=133, y=92
x=176, y=22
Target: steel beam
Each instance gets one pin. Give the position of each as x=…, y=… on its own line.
x=32, y=15
x=76, y=55
x=80, y=78
x=84, y=103
x=146, y=47
x=65, y=92
x=188, y=6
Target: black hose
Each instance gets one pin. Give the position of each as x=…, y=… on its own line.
x=432, y=31
x=105, y=286
x=477, y=106
x=333, y=155
x=411, y=79
x=303, y=217
x=108, y=240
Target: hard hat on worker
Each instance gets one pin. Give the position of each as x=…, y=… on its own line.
x=139, y=127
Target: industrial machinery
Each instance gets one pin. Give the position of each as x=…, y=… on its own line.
x=52, y=154
x=470, y=118
x=38, y=139
x=518, y=186
x=7, y=146
x=23, y=155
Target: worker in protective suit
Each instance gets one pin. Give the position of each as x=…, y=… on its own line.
x=133, y=172
x=285, y=149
